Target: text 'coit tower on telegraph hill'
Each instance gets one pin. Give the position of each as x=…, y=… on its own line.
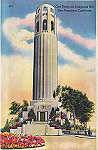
x=45, y=71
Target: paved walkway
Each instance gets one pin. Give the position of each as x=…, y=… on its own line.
x=69, y=143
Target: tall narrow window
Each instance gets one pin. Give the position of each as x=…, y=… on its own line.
x=52, y=25
x=38, y=10
x=52, y=10
x=45, y=9
x=37, y=26
x=45, y=24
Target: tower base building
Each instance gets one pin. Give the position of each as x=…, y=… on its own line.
x=42, y=108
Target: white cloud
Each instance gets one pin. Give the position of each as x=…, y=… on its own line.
x=13, y=30
x=66, y=53
x=67, y=32
x=18, y=36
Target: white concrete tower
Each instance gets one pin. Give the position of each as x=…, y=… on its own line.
x=45, y=71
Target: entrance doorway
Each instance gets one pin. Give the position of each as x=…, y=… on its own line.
x=42, y=116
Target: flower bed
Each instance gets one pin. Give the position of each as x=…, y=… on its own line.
x=10, y=141
x=17, y=124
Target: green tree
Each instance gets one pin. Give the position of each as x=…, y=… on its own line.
x=66, y=125
x=58, y=90
x=85, y=109
x=31, y=115
x=54, y=94
x=77, y=103
x=52, y=114
x=68, y=99
x=25, y=105
x=6, y=127
x=15, y=107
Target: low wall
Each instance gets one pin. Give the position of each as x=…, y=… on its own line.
x=18, y=130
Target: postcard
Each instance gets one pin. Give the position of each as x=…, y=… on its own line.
x=48, y=79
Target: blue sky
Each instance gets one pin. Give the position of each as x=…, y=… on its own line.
x=82, y=23
x=76, y=32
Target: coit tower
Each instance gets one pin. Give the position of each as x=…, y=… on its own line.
x=45, y=71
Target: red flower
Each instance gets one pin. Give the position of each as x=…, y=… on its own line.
x=12, y=141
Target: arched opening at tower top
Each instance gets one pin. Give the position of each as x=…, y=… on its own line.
x=45, y=24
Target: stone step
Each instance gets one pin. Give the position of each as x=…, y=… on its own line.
x=37, y=129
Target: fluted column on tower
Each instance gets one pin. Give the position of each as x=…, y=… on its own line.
x=45, y=69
